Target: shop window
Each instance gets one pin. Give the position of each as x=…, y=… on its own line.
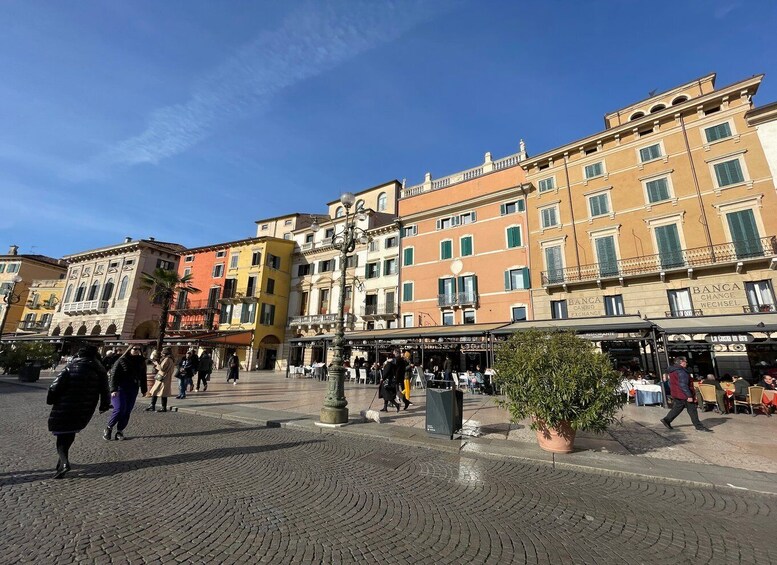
x=680, y=303
x=518, y=314
x=447, y=319
x=760, y=296
x=469, y=316
x=558, y=309
x=613, y=305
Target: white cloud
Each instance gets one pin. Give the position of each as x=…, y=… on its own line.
x=312, y=39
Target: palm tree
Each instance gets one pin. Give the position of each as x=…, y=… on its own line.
x=162, y=286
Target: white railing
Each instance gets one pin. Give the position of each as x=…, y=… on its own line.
x=86, y=307
x=487, y=167
x=318, y=319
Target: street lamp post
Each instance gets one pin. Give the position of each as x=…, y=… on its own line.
x=9, y=298
x=335, y=411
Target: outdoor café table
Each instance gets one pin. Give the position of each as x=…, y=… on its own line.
x=770, y=397
x=647, y=394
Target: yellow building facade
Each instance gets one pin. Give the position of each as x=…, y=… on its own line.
x=44, y=297
x=668, y=213
x=256, y=296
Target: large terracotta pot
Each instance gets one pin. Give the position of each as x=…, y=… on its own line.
x=557, y=440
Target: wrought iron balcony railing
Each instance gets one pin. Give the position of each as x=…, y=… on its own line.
x=390, y=309
x=457, y=299
x=764, y=247
x=683, y=313
x=760, y=308
x=190, y=305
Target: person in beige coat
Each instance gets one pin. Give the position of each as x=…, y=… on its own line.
x=164, y=380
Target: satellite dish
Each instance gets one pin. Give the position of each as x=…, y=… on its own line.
x=456, y=266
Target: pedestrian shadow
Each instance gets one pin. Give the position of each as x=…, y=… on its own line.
x=639, y=439
x=113, y=468
x=202, y=433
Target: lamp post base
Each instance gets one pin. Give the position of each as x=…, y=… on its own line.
x=334, y=415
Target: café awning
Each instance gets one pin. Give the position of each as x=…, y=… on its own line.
x=723, y=324
x=594, y=325
x=425, y=332
x=312, y=339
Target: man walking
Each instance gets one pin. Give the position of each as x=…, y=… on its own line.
x=204, y=369
x=682, y=396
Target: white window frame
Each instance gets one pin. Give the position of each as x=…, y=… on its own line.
x=451, y=315
x=520, y=234
x=412, y=229
x=218, y=268
x=412, y=248
x=519, y=305
x=739, y=156
x=670, y=187
x=382, y=202
x=472, y=238
x=661, y=221
x=754, y=203
x=234, y=259
x=405, y=318
x=187, y=271
x=614, y=232
x=556, y=242
x=469, y=311
x=603, y=173
x=221, y=254
x=188, y=259
x=731, y=126
x=603, y=192
x=553, y=186
x=558, y=216
x=412, y=291
x=661, y=157
x=440, y=253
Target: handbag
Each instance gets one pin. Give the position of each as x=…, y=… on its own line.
x=159, y=378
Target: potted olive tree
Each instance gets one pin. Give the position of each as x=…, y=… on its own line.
x=559, y=380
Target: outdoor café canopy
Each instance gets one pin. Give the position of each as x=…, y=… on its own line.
x=727, y=323
x=214, y=339
x=424, y=333
x=612, y=327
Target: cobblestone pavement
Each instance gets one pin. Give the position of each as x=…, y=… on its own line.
x=191, y=489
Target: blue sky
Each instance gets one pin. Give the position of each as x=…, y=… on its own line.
x=188, y=120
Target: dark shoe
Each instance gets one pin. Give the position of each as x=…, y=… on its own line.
x=397, y=407
x=383, y=410
x=667, y=424
x=162, y=410
x=151, y=408
x=703, y=429
x=107, y=434
x=61, y=472
x=119, y=436
x=204, y=389
x=58, y=467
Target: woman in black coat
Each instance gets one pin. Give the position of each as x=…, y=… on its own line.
x=74, y=395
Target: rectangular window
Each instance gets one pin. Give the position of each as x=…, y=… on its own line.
x=372, y=270
x=760, y=296
x=744, y=234
x=512, y=207
x=326, y=266
x=558, y=309
x=680, y=304
x=605, y=255
x=554, y=264
x=390, y=267
x=669, y=249
x=407, y=292
x=513, y=237
x=251, y=286
x=374, y=245
x=2, y=267
x=233, y=260
x=213, y=296
x=468, y=317
x=720, y=131
x=218, y=271
x=248, y=313
x=594, y=170
x=466, y=246
x=729, y=172
x=166, y=265
x=329, y=233
x=256, y=258
x=352, y=261
x=407, y=256
x=221, y=254
x=323, y=301
x=409, y=231
x=517, y=279
x=309, y=238
x=547, y=184
x=518, y=314
x=467, y=218
x=391, y=242
x=188, y=258
x=446, y=249
x=270, y=286
x=187, y=271
x=265, y=227
x=407, y=321
x=287, y=235
x=303, y=270
x=267, y=315
x=447, y=318
x=649, y=153
x=549, y=217
x=230, y=286
x=599, y=205
x=613, y=305
x=273, y=262
x=225, y=316
x=446, y=291
x=657, y=190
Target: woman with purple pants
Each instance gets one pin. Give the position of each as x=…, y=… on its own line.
x=128, y=376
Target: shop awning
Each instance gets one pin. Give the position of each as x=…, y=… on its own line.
x=724, y=324
x=467, y=330
x=595, y=325
x=213, y=339
x=313, y=338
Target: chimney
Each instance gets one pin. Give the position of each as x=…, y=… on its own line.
x=127, y=239
x=151, y=238
x=13, y=250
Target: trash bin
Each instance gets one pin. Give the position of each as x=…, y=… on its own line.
x=444, y=411
x=30, y=372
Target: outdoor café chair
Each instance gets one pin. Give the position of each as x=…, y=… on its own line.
x=709, y=396
x=754, y=400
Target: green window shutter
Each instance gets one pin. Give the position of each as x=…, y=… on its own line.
x=513, y=237
x=729, y=172
x=475, y=283
x=508, y=286
x=502, y=210
x=407, y=292
x=521, y=205
x=744, y=234
x=408, y=259
x=440, y=286
x=525, y=274
x=605, y=253
x=717, y=132
x=658, y=190
x=446, y=251
x=669, y=249
x=466, y=246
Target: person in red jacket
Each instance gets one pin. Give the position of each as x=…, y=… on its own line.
x=683, y=398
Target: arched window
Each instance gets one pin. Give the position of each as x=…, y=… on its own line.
x=68, y=292
x=340, y=212
x=657, y=108
x=636, y=115
x=359, y=205
x=81, y=292
x=123, y=288
x=679, y=100
x=108, y=290
x=94, y=291
x=382, y=201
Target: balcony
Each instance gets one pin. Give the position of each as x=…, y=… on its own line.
x=193, y=306
x=320, y=320
x=457, y=299
x=86, y=307
x=759, y=249
x=759, y=309
x=380, y=311
x=38, y=326
x=240, y=297
x=683, y=313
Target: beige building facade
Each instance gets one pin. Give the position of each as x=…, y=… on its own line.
x=665, y=214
